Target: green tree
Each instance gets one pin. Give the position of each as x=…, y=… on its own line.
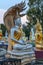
x=35, y=11
x=3, y=29
x=26, y=30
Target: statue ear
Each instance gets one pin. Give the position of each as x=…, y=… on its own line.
x=8, y=20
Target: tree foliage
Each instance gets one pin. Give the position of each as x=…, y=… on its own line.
x=3, y=28
x=27, y=30
x=35, y=11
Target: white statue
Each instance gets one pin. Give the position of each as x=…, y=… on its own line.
x=20, y=48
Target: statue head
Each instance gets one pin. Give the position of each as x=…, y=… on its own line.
x=17, y=22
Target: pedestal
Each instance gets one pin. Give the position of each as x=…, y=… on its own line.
x=39, y=54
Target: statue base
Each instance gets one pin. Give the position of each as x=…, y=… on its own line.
x=39, y=54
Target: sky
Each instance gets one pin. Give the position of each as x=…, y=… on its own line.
x=6, y=4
